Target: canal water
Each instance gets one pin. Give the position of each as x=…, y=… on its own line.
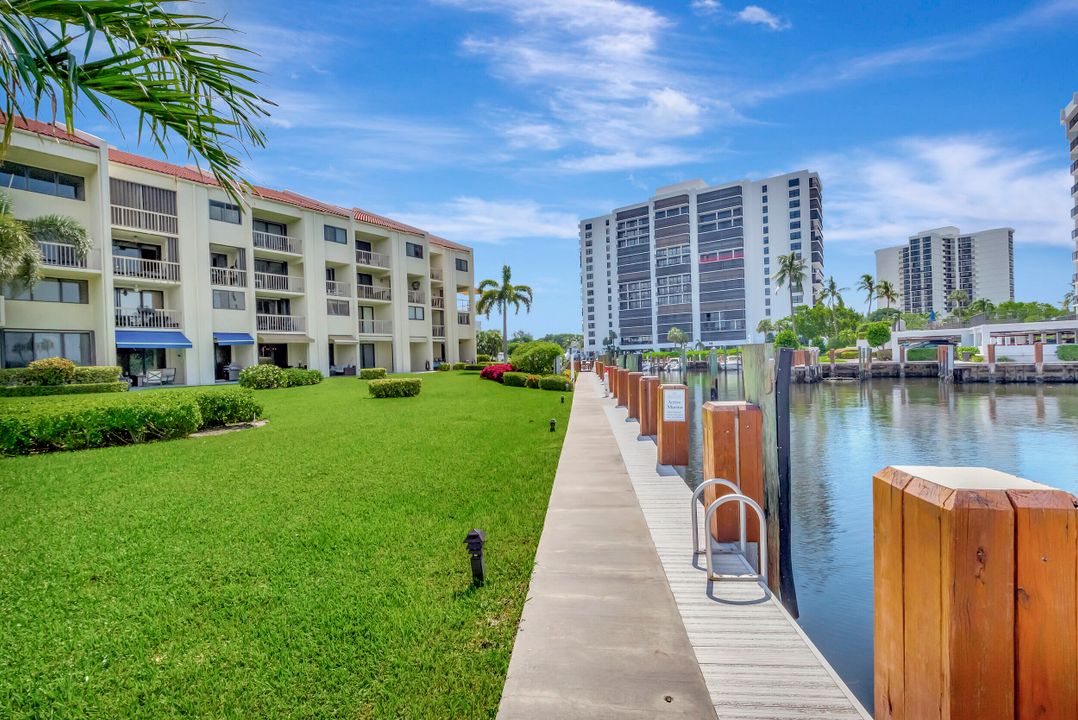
x=841, y=433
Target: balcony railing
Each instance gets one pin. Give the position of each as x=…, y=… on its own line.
x=437, y=331
x=130, y=217
x=463, y=305
x=436, y=274
x=370, y=292
x=145, y=269
x=464, y=318
x=375, y=327
x=148, y=318
x=278, y=283
x=280, y=323
x=371, y=259
x=62, y=255
x=228, y=277
x=277, y=243
x=338, y=289
x=437, y=302
x=416, y=296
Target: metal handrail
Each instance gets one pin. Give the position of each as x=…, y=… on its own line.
x=762, y=545
x=696, y=549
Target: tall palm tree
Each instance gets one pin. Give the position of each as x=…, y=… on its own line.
x=885, y=291
x=765, y=327
x=981, y=305
x=1068, y=302
x=832, y=294
x=20, y=253
x=867, y=284
x=791, y=273
x=957, y=299
x=500, y=296
x=171, y=65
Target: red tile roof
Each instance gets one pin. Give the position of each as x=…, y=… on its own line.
x=48, y=129
x=382, y=221
x=434, y=239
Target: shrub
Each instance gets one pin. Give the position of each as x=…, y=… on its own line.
x=1067, y=353
x=226, y=406
x=532, y=381
x=515, y=379
x=495, y=372
x=847, y=355
x=51, y=371
x=395, y=387
x=261, y=377
x=971, y=349
x=787, y=339
x=1004, y=358
x=482, y=358
x=536, y=357
x=921, y=354
x=97, y=374
x=372, y=373
x=477, y=366
x=555, y=382
x=445, y=367
x=294, y=377
x=882, y=354
x=459, y=365
x=75, y=389
x=878, y=333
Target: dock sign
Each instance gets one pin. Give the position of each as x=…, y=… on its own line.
x=673, y=405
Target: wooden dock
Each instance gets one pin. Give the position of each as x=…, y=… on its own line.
x=756, y=661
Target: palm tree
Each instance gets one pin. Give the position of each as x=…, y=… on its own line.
x=677, y=336
x=765, y=327
x=957, y=299
x=981, y=305
x=1068, y=301
x=172, y=66
x=791, y=273
x=886, y=291
x=867, y=283
x=20, y=252
x=494, y=295
x=831, y=294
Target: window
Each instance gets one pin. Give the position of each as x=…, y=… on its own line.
x=224, y=212
x=270, y=228
x=337, y=307
x=794, y=182
x=335, y=234
x=795, y=193
x=674, y=289
x=794, y=214
x=671, y=256
x=763, y=189
x=415, y=312
x=633, y=295
x=795, y=225
x=39, y=180
x=795, y=235
x=414, y=250
x=50, y=290
x=462, y=265
x=795, y=203
x=229, y=300
x=22, y=348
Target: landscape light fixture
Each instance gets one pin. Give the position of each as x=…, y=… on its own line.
x=474, y=541
x=553, y=424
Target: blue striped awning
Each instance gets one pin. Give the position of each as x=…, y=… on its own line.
x=151, y=339
x=223, y=338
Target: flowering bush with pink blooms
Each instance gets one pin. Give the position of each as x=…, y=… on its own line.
x=495, y=372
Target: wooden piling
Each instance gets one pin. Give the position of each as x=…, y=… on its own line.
x=632, y=393
x=672, y=436
x=733, y=450
x=649, y=403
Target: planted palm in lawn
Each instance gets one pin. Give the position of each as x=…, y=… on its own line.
x=311, y=568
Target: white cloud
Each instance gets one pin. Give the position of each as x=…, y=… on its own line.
x=879, y=195
x=475, y=220
x=620, y=160
x=756, y=15
x=706, y=7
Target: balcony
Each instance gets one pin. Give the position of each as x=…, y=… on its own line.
x=437, y=302
x=136, y=219
x=464, y=318
x=436, y=274
x=64, y=256
x=143, y=269
x=280, y=323
x=277, y=243
x=437, y=331
x=416, y=297
x=370, y=292
x=372, y=259
x=148, y=318
x=228, y=277
x=375, y=327
x=278, y=283
x=336, y=289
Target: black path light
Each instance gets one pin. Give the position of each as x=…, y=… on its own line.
x=553, y=424
x=475, y=541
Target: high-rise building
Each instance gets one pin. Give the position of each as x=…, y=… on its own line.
x=700, y=258
x=934, y=263
x=1068, y=116
x=183, y=282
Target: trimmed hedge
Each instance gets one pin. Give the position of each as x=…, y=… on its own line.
x=395, y=387
x=372, y=373
x=515, y=379
x=460, y=366
x=51, y=371
x=226, y=406
x=555, y=382
x=77, y=389
x=483, y=358
x=445, y=367
x=83, y=375
x=1067, y=353
x=536, y=357
x=268, y=377
x=920, y=354
x=532, y=381
x=294, y=377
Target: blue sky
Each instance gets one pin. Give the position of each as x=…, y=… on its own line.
x=499, y=123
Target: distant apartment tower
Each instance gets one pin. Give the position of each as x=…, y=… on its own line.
x=1069, y=118
x=934, y=263
x=699, y=258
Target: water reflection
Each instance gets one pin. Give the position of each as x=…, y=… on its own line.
x=841, y=433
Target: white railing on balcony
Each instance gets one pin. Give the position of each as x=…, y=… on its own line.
x=371, y=259
x=129, y=217
x=375, y=327
x=370, y=292
x=280, y=323
x=278, y=283
x=338, y=289
x=148, y=318
x=277, y=243
x=464, y=318
x=436, y=274
x=145, y=269
x=338, y=307
x=438, y=303
x=416, y=296
x=228, y=277
x=437, y=331
x=62, y=255
x=463, y=305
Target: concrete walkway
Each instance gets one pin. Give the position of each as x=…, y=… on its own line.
x=601, y=635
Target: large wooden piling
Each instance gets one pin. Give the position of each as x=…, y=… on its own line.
x=649, y=403
x=672, y=436
x=733, y=450
x=976, y=598
x=632, y=393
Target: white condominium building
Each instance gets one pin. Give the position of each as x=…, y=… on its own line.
x=182, y=279
x=1069, y=118
x=700, y=258
x=934, y=263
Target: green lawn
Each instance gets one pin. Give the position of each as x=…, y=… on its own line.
x=314, y=567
